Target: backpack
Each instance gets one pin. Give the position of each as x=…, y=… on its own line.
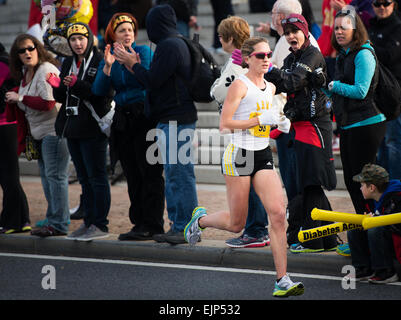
x=387, y=94
x=204, y=70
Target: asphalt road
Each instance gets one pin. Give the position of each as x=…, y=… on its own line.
x=34, y=277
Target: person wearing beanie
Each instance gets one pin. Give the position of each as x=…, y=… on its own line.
x=87, y=144
x=128, y=141
x=169, y=104
x=301, y=77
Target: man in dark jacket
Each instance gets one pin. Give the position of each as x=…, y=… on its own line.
x=373, y=257
x=385, y=34
x=169, y=103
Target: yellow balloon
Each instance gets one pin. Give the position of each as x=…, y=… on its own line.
x=385, y=220
x=84, y=14
x=325, y=231
x=326, y=215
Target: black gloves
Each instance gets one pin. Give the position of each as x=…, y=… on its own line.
x=318, y=78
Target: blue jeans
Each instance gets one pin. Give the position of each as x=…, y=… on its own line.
x=89, y=157
x=389, y=155
x=372, y=248
x=256, y=222
x=53, y=167
x=175, y=146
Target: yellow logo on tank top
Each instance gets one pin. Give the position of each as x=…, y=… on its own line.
x=259, y=131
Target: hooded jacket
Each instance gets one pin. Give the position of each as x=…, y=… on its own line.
x=82, y=125
x=390, y=202
x=167, y=96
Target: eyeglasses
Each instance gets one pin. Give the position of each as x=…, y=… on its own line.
x=22, y=50
x=262, y=55
x=291, y=20
x=378, y=4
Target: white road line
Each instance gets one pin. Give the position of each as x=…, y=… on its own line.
x=171, y=265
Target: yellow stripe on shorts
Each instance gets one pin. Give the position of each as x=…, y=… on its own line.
x=228, y=158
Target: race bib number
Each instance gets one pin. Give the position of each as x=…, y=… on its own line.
x=258, y=131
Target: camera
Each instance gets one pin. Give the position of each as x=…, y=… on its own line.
x=71, y=111
x=72, y=106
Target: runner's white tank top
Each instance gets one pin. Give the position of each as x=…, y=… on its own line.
x=255, y=102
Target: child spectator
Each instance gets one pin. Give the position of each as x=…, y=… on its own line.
x=373, y=258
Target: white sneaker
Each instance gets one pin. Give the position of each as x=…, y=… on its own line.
x=286, y=288
x=92, y=233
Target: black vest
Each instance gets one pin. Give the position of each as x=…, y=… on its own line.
x=347, y=110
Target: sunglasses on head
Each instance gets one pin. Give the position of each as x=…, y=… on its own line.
x=262, y=55
x=345, y=12
x=378, y=4
x=291, y=20
x=22, y=50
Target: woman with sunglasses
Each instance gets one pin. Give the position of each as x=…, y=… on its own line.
x=248, y=115
x=86, y=143
x=128, y=132
x=385, y=34
x=233, y=31
x=29, y=64
x=309, y=113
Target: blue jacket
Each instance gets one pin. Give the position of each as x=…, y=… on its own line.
x=393, y=186
x=167, y=95
x=128, y=89
x=390, y=202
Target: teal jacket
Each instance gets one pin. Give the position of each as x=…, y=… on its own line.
x=365, y=65
x=128, y=89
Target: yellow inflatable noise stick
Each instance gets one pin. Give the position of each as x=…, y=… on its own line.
x=327, y=230
x=372, y=222
x=326, y=215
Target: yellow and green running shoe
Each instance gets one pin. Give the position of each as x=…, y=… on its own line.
x=285, y=288
x=192, y=231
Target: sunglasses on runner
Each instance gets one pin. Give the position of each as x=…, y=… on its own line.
x=378, y=4
x=22, y=50
x=262, y=55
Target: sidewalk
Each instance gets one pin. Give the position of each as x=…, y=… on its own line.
x=210, y=251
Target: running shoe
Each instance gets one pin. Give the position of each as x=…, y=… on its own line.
x=299, y=248
x=92, y=233
x=26, y=227
x=82, y=229
x=245, y=241
x=192, y=230
x=285, y=288
x=343, y=250
x=384, y=276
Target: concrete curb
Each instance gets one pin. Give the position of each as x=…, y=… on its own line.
x=209, y=253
